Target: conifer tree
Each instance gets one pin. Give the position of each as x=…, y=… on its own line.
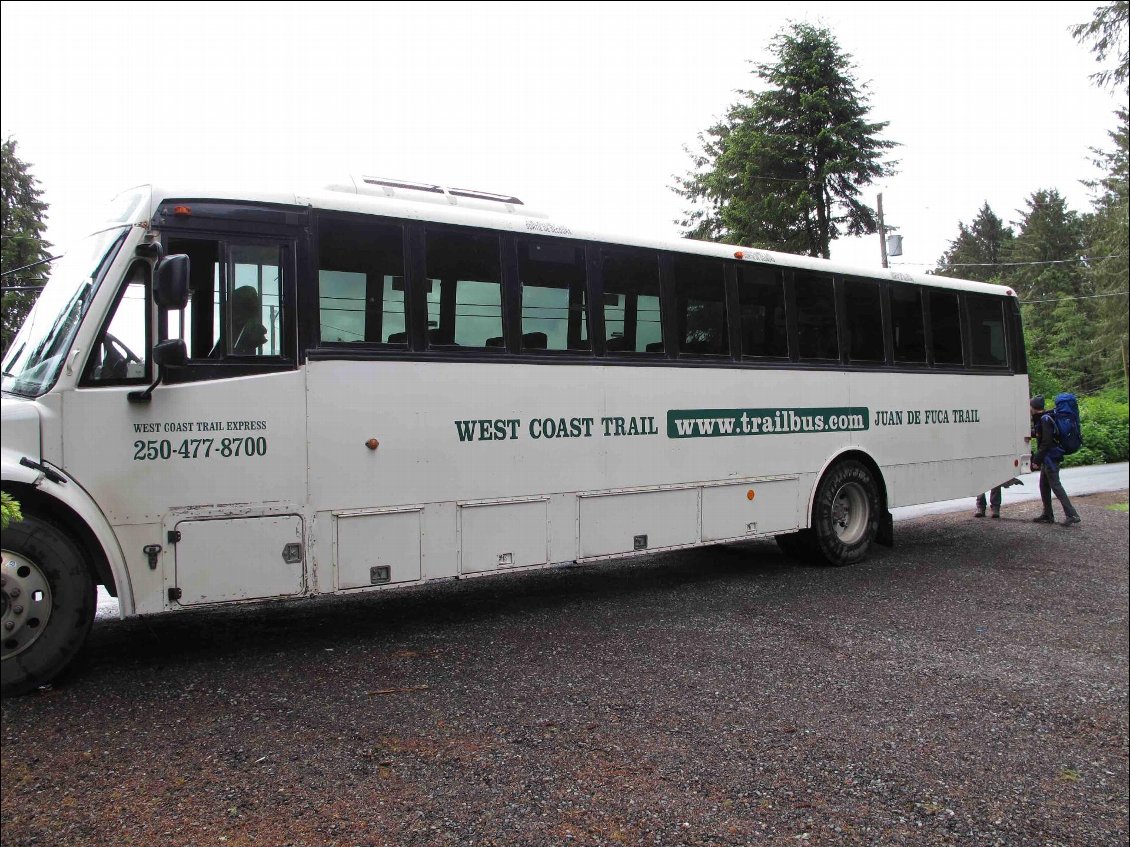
x=22, y=225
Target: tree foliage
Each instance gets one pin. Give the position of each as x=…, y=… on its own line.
x=22, y=225
x=1107, y=32
x=979, y=249
x=783, y=170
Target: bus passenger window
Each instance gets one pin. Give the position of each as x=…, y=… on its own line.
x=863, y=304
x=465, y=294
x=986, y=329
x=761, y=294
x=360, y=282
x=700, y=287
x=632, y=320
x=906, y=324
x=945, y=324
x=552, y=275
x=816, y=316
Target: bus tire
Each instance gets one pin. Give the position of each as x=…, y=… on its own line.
x=49, y=601
x=845, y=514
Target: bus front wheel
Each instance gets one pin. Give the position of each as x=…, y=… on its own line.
x=48, y=604
x=845, y=514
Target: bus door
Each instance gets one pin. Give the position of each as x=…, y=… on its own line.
x=209, y=475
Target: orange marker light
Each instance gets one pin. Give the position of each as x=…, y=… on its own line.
x=750, y=495
x=739, y=254
x=182, y=210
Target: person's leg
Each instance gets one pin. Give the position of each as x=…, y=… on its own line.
x=1071, y=516
x=980, y=513
x=1046, y=497
x=995, y=501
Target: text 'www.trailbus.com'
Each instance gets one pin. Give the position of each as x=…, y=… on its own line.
x=708, y=423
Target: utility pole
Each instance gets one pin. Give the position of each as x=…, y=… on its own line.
x=882, y=230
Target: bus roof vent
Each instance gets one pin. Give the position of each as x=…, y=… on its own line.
x=422, y=192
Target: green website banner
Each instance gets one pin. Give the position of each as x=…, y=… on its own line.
x=713, y=423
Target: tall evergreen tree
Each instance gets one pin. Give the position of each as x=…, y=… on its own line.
x=1108, y=242
x=1107, y=32
x=1051, y=278
x=979, y=249
x=784, y=168
x=22, y=225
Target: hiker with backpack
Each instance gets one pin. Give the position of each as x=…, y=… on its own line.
x=1057, y=434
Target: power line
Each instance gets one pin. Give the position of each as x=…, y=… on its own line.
x=1083, y=259
x=1081, y=297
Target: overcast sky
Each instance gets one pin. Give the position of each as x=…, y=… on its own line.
x=580, y=109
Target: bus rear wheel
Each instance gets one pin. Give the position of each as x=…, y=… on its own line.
x=845, y=514
x=48, y=605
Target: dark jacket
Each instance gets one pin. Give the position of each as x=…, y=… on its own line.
x=1048, y=451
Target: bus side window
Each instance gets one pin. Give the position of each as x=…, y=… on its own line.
x=816, y=316
x=700, y=289
x=552, y=278
x=121, y=354
x=864, y=306
x=464, y=289
x=632, y=320
x=761, y=294
x=907, y=328
x=360, y=282
x=945, y=325
x=986, y=329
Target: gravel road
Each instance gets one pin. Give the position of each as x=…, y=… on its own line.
x=968, y=687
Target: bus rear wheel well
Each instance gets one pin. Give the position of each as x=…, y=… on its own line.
x=33, y=502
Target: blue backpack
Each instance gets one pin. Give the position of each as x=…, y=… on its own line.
x=1066, y=416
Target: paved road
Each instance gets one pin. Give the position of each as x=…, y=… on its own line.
x=1092, y=479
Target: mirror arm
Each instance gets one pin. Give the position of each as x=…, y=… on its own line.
x=147, y=395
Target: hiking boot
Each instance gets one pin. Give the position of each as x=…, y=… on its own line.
x=1045, y=518
x=1068, y=521
x=980, y=513
x=996, y=514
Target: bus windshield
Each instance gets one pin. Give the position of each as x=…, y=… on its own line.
x=37, y=353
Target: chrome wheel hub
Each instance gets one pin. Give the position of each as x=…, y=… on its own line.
x=26, y=604
x=850, y=513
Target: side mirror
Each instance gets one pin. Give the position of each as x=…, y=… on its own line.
x=170, y=353
x=171, y=291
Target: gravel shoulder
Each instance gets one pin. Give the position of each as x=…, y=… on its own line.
x=967, y=687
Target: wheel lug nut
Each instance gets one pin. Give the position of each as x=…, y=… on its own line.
x=19, y=610
x=14, y=593
x=9, y=625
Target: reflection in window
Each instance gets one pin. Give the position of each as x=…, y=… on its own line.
x=986, y=330
x=863, y=305
x=631, y=302
x=360, y=282
x=761, y=294
x=816, y=316
x=906, y=324
x=700, y=288
x=945, y=325
x=552, y=276
x=465, y=291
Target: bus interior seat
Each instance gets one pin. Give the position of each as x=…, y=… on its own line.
x=535, y=341
x=616, y=344
x=397, y=338
x=497, y=341
x=655, y=347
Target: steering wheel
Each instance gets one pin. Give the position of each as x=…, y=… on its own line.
x=116, y=358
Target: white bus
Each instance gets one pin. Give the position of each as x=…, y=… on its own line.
x=227, y=398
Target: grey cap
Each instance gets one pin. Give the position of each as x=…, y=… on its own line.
x=1037, y=403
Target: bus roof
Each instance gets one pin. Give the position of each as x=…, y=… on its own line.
x=465, y=207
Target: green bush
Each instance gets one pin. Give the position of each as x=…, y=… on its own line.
x=1105, y=422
